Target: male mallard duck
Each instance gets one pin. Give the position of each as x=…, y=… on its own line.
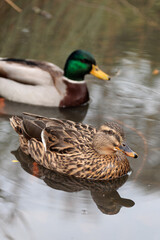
x=45, y=84
x=74, y=148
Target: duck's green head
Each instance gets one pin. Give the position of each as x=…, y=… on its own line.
x=80, y=63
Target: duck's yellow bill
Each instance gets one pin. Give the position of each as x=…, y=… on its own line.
x=99, y=73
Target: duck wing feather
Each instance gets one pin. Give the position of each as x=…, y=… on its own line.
x=62, y=136
x=30, y=72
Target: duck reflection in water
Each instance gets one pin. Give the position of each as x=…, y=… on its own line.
x=104, y=193
x=8, y=108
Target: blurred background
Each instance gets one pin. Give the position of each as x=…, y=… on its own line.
x=124, y=37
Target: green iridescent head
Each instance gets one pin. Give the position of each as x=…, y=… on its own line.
x=80, y=63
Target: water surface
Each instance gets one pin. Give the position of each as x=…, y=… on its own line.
x=124, y=38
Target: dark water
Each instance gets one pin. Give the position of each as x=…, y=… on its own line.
x=124, y=38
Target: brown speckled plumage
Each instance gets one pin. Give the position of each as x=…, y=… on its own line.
x=71, y=148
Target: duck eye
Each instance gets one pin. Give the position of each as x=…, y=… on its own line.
x=123, y=144
x=110, y=132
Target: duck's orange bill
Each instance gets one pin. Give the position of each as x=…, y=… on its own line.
x=126, y=149
x=99, y=73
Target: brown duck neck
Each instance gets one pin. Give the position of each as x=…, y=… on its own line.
x=76, y=94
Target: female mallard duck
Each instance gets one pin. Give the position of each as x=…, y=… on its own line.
x=45, y=84
x=74, y=148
